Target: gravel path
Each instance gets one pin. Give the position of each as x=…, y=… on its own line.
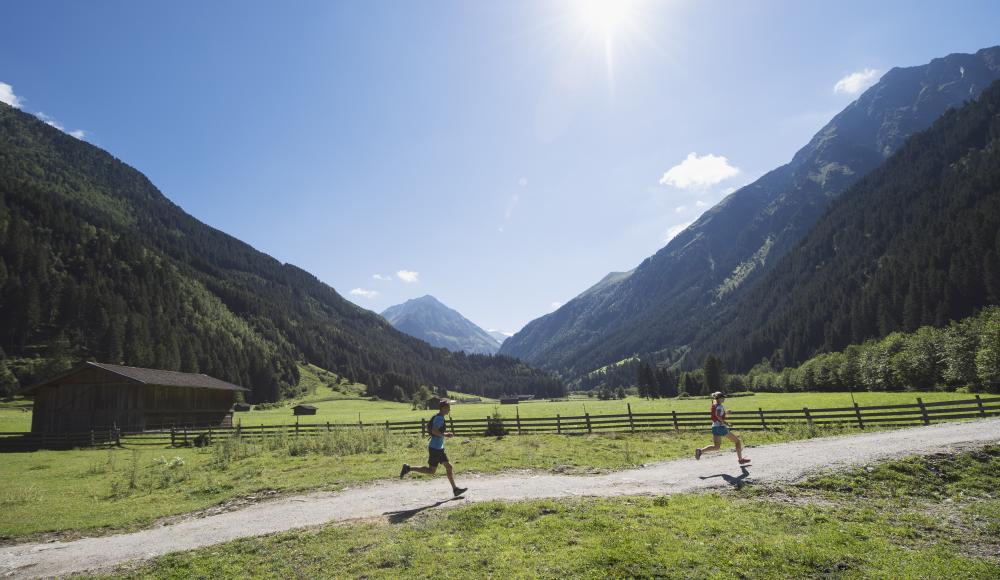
x=397, y=500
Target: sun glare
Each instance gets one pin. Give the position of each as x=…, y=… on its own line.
x=606, y=17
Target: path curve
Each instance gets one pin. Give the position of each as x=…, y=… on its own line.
x=772, y=464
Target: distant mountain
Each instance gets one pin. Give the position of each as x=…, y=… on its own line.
x=429, y=320
x=916, y=242
x=498, y=336
x=665, y=302
x=95, y=263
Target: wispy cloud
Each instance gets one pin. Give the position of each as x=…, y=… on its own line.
x=854, y=83
x=680, y=208
x=51, y=122
x=674, y=230
x=699, y=172
x=7, y=96
x=700, y=203
x=408, y=276
x=503, y=332
x=381, y=277
x=556, y=305
x=364, y=293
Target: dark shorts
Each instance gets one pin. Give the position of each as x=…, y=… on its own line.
x=436, y=456
x=720, y=431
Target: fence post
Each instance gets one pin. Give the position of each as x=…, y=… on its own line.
x=209, y=435
x=763, y=423
x=809, y=418
x=328, y=426
x=518, y=411
x=923, y=411
x=185, y=436
x=558, y=425
x=173, y=436
x=296, y=425
x=857, y=411
x=631, y=423
x=386, y=425
x=587, y=415
x=676, y=426
x=422, y=428
x=979, y=402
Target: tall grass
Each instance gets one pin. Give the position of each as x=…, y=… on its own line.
x=337, y=442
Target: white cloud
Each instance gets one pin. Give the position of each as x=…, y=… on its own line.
x=674, y=230
x=49, y=120
x=854, y=83
x=7, y=96
x=699, y=172
x=523, y=182
x=680, y=208
x=364, y=293
x=381, y=277
x=408, y=276
x=700, y=203
x=79, y=133
x=556, y=305
x=503, y=332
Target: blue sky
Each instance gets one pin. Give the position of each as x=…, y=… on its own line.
x=501, y=156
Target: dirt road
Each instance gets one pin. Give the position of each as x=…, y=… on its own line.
x=396, y=499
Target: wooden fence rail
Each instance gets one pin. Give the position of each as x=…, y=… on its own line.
x=918, y=413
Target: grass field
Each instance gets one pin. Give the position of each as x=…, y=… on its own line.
x=89, y=489
x=932, y=517
x=342, y=403
x=347, y=410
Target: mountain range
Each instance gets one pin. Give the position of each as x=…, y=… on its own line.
x=429, y=320
x=96, y=263
x=662, y=305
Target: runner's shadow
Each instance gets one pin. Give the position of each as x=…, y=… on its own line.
x=403, y=515
x=736, y=482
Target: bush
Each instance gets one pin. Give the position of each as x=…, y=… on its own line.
x=495, y=426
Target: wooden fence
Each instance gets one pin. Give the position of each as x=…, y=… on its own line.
x=919, y=413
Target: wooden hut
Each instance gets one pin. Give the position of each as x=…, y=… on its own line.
x=301, y=409
x=95, y=396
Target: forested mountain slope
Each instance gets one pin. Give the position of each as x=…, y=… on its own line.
x=429, y=320
x=916, y=242
x=96, y=263
x=664, y=303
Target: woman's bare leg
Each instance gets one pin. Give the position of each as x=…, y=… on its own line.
x=739, y=445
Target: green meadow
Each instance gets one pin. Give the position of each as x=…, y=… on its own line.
x=91, y=491
x=935, y=517
x=354, y=410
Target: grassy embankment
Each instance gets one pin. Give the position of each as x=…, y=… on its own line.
x=936, y=517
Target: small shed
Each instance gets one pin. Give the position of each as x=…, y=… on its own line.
x=97, y=396
x=303, y=410
x=241, y=407
x=509, y=401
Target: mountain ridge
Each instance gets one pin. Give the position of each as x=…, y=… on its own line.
x=429, y=320
x=663, y=303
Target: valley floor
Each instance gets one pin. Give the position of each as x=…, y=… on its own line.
x=399, y=501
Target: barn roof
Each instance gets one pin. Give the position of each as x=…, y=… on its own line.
x=152, y=377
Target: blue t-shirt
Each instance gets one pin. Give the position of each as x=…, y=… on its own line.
x=437, y=422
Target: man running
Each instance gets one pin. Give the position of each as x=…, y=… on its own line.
x=720, y=429
x=435, y=450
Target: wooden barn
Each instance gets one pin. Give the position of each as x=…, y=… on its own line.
x=95, y=396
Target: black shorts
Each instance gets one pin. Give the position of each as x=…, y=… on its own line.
x=436, y=456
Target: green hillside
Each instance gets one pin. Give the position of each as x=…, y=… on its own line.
x=95, y=263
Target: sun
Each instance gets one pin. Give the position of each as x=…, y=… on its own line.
x=605, y=17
